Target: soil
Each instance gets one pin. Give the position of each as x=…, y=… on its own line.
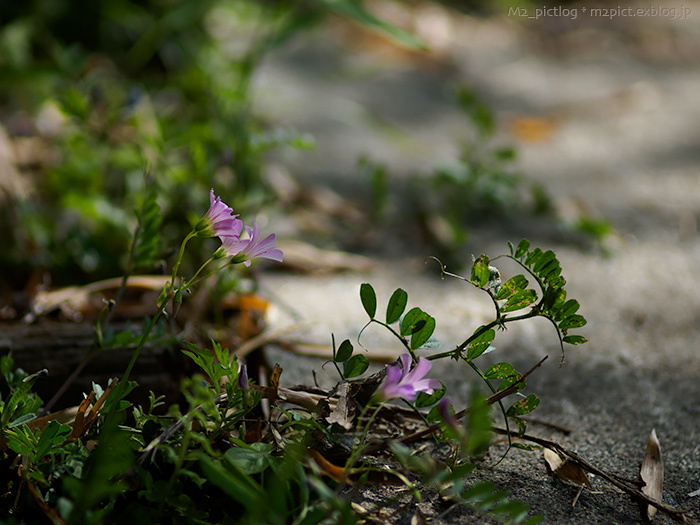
x=604, y=113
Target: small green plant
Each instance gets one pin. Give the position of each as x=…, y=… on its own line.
x=482, y=185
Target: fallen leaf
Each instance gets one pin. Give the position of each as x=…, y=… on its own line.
x=652, y=472
x=344, y=412
x=334, y=472
x=305, y=258
x=275, y=376
x=565, y=469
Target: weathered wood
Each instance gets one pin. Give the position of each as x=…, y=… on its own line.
x=60, y=347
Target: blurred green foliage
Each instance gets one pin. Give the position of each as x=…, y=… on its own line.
x=110, y=90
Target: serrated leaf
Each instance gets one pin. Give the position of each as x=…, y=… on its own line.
x=355, y=366
x=480, y=271
x=369, y=299
x=511, y=286
x=344, y=351
x=397, y=305
x=519, y=300
x=479, y=345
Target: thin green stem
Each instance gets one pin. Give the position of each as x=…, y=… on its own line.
x=457, y=351
x=180, y=254
x=360, y=446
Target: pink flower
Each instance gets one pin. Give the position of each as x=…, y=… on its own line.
x=403, y=382
x=243, y=250
x=219, y=220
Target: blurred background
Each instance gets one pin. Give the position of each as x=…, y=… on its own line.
x=377, y=127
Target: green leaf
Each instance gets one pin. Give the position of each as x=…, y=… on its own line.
x=250, y=461
x=573, y=321
x=397, y=305
x=52, y=436
x=519, y=300
x=480, y=271
x=413, y=321
x=500, y=371
x=574, y=339
x=419, y=338
x=344, y=351
x=512, y=285
x=355, y=366
x=544, y=260
x=523, y=406
x=525, y=446
x=26, y=418
x=533, y=257
x=504, y=371
x=369, y=299
x=13, y=407
x=479, y=345
x=568, y=309
x=553, y=299
x=425, y=400
x=522, y=248
x=521, y=424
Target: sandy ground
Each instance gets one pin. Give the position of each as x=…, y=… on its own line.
x=620, y=105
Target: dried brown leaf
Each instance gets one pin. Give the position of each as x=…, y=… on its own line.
x=344, y=412
x=652, y=472
x=565, y=469
x=275, y=376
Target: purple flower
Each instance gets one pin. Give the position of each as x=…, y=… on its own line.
x=243, y=250
x=446, y=414
x=243, y=377
x=219, y=220
x=403, y=382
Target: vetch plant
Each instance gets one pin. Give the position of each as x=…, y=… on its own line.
x=223, y=458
